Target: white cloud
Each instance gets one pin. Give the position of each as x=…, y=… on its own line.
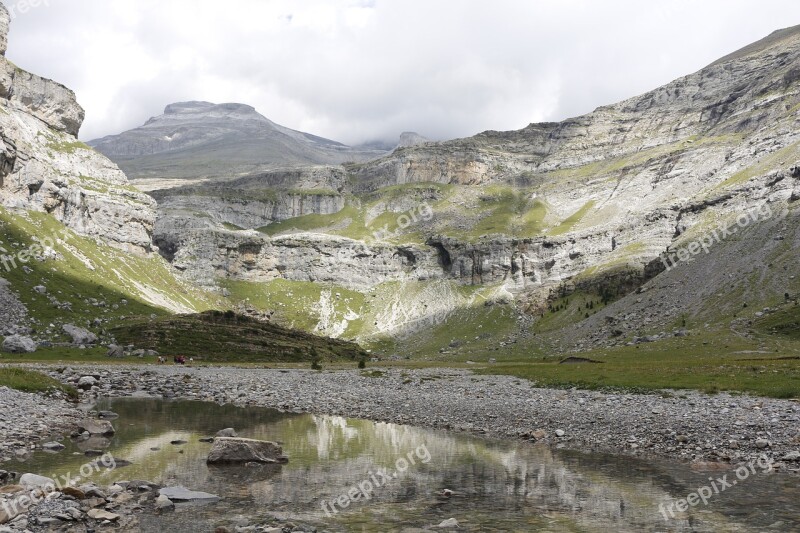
x=362, y=70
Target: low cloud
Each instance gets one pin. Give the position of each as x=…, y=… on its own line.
x=358, y=71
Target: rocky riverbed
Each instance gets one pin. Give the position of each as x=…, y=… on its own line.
x=684, y=425
x=30, y=420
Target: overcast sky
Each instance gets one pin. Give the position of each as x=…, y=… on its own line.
x=361, y=70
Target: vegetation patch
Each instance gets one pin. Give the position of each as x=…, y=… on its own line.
x=31, y=381
x=226, y=336
x=710, y=362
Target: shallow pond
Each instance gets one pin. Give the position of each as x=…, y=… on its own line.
x=497, y=485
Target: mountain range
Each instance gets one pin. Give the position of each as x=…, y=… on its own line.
x=205, y=140
x=668, y=214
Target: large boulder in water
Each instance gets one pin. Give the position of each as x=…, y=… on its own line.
x=234, y=450
x=96, y=427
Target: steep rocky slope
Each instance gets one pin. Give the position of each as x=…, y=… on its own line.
x=75, y=236
x=590, y=207
x=204, y=140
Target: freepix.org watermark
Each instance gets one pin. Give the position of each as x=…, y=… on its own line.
x=716, y=486
x=707, y=241
x=11, y=260
x=421, y=212
x=363, y=490
x=23, y=6
x=22, y=503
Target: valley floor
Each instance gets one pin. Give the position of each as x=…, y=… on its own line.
x=687, y=426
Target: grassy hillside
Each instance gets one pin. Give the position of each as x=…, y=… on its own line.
x=226, y=336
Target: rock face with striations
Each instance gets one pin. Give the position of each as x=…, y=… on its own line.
x=617, y=186
x=43, y=166
x=5, y=20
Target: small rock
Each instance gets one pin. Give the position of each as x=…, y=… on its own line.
x=182, y=494
x=100, y=514
x=560, y=433
x=87, y=382
x=74, y=493
x=32, y=481
x=450, y=523
x=227, y=432
x=164, y=504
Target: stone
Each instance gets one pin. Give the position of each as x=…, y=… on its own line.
x=227, y=432
x=74, y=493
x=791, y=456
x=53, y=446
x=239, y=450
x=182, y=494
x=762, y=443
x=34, y=481
x=560, y=433
x=79, y=335
x=100, y=514
x=19, y=344
x=97, y=427
x=164, y=504
x=11, y=489
x=450, y=523
x=115, y=351
x=539, y=434
x=87, y=382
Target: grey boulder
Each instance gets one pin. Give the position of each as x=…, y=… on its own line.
x=97, y=427
x=237, y=450
x=19, y=344
x=115, y=350
x=33, y=481
x=79, y=335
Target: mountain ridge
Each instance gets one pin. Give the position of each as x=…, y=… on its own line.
x=200, y=139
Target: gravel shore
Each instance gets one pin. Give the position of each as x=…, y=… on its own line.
x=28, y=420
x=686, y=426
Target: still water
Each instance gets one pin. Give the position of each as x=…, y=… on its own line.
x=496, y=485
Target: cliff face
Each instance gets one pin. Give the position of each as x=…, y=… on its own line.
x=621, y=184
x=595, y=198
x=44, y=167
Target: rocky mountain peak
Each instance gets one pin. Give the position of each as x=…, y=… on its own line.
x=179, y=144
x=411, y=138
x=196, y=107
